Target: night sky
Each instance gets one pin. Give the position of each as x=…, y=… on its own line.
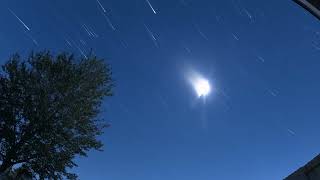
x=262, y=59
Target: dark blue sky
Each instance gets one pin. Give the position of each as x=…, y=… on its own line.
x=261, y=120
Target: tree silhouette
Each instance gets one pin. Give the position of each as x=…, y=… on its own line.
x=48, y=112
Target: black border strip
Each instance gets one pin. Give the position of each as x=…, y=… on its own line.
x=309, y=7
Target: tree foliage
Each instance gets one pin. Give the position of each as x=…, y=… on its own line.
x=48, y=112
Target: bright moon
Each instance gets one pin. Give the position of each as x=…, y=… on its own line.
x=198, y=82
x=202, y=87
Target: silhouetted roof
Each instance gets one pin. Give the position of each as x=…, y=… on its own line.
x=306, y=169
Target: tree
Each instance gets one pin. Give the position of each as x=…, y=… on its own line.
x=48, y=112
